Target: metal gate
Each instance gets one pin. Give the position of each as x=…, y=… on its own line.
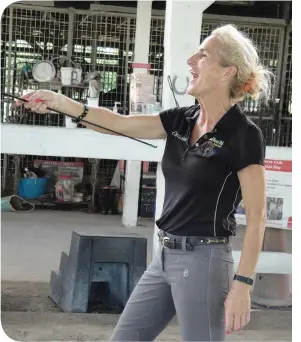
x=285, y=114
x=105, y=42
x=99, y=41
x=102, y=42
x=269, y=38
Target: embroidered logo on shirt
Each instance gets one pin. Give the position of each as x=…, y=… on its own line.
x=177, y=135
x=206, y=149
x=217, y=143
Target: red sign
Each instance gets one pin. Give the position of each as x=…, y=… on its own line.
x=141, y=66
x=278, y=165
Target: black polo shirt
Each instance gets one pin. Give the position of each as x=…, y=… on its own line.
x=202, y=189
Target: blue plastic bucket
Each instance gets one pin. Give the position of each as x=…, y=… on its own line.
x=32, y=188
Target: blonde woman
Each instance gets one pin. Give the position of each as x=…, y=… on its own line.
x=214, y=158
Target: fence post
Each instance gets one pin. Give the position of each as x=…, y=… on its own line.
x=133, y=168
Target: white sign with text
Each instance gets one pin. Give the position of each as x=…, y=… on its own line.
x=279, y=192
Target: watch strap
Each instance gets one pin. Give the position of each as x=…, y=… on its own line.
x=242, y=279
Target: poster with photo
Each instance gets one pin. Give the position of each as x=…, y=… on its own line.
x=141, y=91
x=54, y=169
x=279, y=195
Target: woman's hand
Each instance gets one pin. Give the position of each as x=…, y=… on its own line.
x=38, y=101
x=237, y=307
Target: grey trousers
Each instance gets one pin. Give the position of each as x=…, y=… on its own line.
x=192, y=285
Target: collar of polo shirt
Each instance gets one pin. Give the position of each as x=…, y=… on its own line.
x=225, y=122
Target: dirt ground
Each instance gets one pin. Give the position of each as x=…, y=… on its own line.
x=28, y=314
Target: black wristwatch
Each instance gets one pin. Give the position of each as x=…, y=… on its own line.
x=245, y=280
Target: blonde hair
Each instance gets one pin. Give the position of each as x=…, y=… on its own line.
x=252, y=78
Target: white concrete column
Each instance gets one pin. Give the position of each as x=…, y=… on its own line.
x=143, y=23
x=179, y=44
x=133, y=168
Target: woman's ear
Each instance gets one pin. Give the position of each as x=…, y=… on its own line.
x=230, y=72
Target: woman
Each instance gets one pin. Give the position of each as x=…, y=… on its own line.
x=214, y=157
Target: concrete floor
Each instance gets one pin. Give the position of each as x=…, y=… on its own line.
x=32, y=242
x=31, y=247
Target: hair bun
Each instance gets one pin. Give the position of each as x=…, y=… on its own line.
x=249, y=85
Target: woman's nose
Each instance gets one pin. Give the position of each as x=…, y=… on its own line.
x=191, y=60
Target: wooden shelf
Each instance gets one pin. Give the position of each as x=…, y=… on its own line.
x=58, y=84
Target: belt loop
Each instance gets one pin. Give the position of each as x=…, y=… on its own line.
x=184, y=241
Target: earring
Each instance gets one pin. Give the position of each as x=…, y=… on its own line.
x=222, y=79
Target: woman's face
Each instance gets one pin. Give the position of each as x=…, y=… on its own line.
x=206, y=69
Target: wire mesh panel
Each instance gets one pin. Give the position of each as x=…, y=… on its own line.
x=285, y=133
x=104, y=43
x=28, y=35
x=285, y=136
x=156, y=54
x=268, y=39
x=6, y=52
x=36, y=35
x=99, y=42
x=287, y=79
x=3, y=169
